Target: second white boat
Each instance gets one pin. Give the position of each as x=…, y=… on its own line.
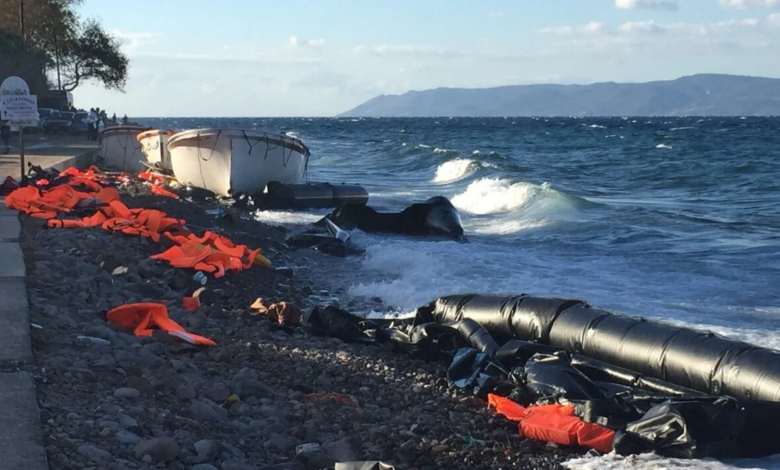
x=154, y=145
x=235, y=161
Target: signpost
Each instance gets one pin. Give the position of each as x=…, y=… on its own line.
x=19, y=108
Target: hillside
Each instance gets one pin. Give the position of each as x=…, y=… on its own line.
x=696, y=95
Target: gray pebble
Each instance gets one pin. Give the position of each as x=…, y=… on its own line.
x=204, y=466
x=186, y=392
x=93, y=453
x=236, y=464
x=126, y=392
x=281, y=442
x=217, y=393
x=207, y=410
x=162, y=449
x=127, y=421
x=206, y=450
x=126, y=437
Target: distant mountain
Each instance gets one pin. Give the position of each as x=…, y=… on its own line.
x=696, y=95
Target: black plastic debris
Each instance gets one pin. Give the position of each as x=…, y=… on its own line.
x=554, y=376
x=332, y=321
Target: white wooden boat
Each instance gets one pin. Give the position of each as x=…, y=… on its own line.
x=120, y=150
x=154, y=145
x=235, y=161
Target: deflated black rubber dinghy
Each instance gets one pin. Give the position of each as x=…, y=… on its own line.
x=436, y=216
x=696, y=360
x=580, y=376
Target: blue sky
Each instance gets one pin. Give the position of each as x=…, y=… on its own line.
x=322, y=57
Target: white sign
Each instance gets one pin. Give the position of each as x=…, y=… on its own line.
x=23, y=122
x=19, y=107
x=14, y=86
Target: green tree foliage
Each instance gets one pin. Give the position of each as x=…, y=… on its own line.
x=95, y=55
x=83, y=49
x=15, y=60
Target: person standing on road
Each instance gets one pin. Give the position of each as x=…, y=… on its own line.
x=5, y=135
x=91, y=124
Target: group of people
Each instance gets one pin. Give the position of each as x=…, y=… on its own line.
x=97, y=120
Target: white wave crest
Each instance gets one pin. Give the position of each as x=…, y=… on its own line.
x=493, y=195
x=663, y=146
x=454, y=170
x=597, y=126
x=285, y=218
x=438, y=150
x=612, y=461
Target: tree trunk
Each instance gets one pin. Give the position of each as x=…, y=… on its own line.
x=57, y=58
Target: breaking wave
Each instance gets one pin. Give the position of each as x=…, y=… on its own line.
x=454, y=170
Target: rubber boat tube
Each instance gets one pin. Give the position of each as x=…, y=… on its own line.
x=691, y=359
x=312, y=195
x=437, y=215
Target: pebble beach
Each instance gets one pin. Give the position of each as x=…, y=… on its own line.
x=266, y=397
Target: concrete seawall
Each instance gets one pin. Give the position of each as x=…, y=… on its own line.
x=21, y=441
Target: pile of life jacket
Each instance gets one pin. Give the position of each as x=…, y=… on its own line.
x=77, y=193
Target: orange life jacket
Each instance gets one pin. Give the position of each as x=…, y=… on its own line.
x=554, y=423
x=143, y=316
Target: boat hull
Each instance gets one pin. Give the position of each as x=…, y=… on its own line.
x=154, y=145
x=232, y=161
x=120, y=150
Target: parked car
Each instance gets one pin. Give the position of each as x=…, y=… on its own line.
x=79, y=124
x=43, y=116
x=58, y=121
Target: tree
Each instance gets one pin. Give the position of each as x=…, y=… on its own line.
x=94, y=55
x=15, y=60
x=82, y=50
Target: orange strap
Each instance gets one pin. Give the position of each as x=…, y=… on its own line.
x=504, y=406
x=160, y=191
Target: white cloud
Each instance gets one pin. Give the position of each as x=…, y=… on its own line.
x=589, y=28
x=641, y=27
x=294, y=42
x=742, y=4
x=637, y=28
x=134, y=42
x=773, y=20
x=663, y=5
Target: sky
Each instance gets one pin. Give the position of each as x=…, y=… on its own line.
x=205, y=58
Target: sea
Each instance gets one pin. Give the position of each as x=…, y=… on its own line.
x=675, y=219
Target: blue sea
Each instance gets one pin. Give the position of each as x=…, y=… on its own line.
x=675, y=219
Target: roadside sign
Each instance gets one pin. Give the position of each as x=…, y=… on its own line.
x=19, y=108
x=23, y=122
x=14, y=86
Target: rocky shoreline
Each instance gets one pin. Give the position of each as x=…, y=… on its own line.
x=110, y=400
